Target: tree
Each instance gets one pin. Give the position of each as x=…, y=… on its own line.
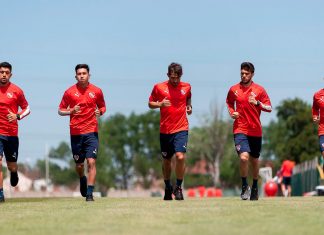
x=209, y=142
x=293, y=136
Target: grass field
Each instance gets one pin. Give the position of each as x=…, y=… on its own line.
x=154, y=216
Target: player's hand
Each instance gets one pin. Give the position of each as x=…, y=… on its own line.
x=97, y=112
x=235, y=115
x=11, y=116
x=252, y=100
x=165, y=102
x=75, y=109
x=316, y=119
x=189, y=109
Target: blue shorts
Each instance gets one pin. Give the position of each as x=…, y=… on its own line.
x=172, y=143
x=84, y=146
x=9, y=147
x=321, y=143
x=250, y=144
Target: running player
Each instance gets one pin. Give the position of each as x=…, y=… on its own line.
x=286, y=172
x=245, y=101
x=318, y=117
x=173, y=98
x=84, y=103
x=11, y=98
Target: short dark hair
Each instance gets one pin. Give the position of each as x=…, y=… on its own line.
x=247, y=66
x=82, y=66
x=6, y=65
x=175, y=68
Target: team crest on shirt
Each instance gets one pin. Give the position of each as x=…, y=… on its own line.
x=322, y=98
x=92, y=95
x=183, y=92
x=166, y=91
x=9, y=95
x=76, y=94
x=238, y=147
x=236, y=93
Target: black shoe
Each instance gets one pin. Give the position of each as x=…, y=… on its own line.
x=246, y=192
x=2, y=199
x=83, y=186
x=168, y=194
x=178, y=193
x=14, y=179
x=89, y=198
x=254, y=194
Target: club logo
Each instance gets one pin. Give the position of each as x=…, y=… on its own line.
x=164, y=154
x=238, y=147
x=253, y=94
x=92, y=95
x=9, y=95
x=77, y=94
x=236, y=93
x=322, y=98
x=14, y=155
x=183, y=92
x=76, y=157
x=95, y=151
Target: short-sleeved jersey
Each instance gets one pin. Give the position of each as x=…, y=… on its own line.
x=173, y=118
x=88, y=99
x=11, y=98
x=287, y=168
x=318, y=109
x=237, y=100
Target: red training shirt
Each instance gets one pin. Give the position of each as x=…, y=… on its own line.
x=287, y=168
x=237, y=100
x=11, y=98
x=173, y=118
x=318, y=109
x=88, y=99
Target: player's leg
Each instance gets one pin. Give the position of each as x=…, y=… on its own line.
x=78, y=156
x=243, y=149
x=166, y=153
x=255, y=144
x=1, y=174
x=90, y=145
x=180, y=147
x=11, y=147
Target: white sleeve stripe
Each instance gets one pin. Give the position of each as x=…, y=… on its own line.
x=266, y=107
x=25, y=113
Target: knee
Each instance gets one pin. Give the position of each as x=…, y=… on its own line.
x=180, y=156
x=79, y=166
x=244, y=158
x=91, y=163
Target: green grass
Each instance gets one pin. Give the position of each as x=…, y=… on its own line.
x=154, y=216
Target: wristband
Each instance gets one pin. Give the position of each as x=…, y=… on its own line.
x=18, y=116
x=258, y=103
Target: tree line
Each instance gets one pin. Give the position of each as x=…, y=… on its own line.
x=129, y=151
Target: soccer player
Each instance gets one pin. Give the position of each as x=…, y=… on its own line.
x=286, y=172
x=84, y=103
x=11, y=98
x=245, y=101
x=173, y=98
x=318, y=117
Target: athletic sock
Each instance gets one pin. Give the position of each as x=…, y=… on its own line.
x=1, y=192
x=83, y=178
x=90, y=189
x=255, y=183
x=244, y=181
x=179, y=182
x=167, y=184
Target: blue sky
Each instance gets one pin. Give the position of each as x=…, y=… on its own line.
x=129, y=44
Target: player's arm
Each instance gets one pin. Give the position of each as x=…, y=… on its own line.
x=264, y=102
x=25, y=110
x=230, y=103
x=188, y=104
x=101, y=105
x=315, y=111
x=154, y=102
x=64, y=107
